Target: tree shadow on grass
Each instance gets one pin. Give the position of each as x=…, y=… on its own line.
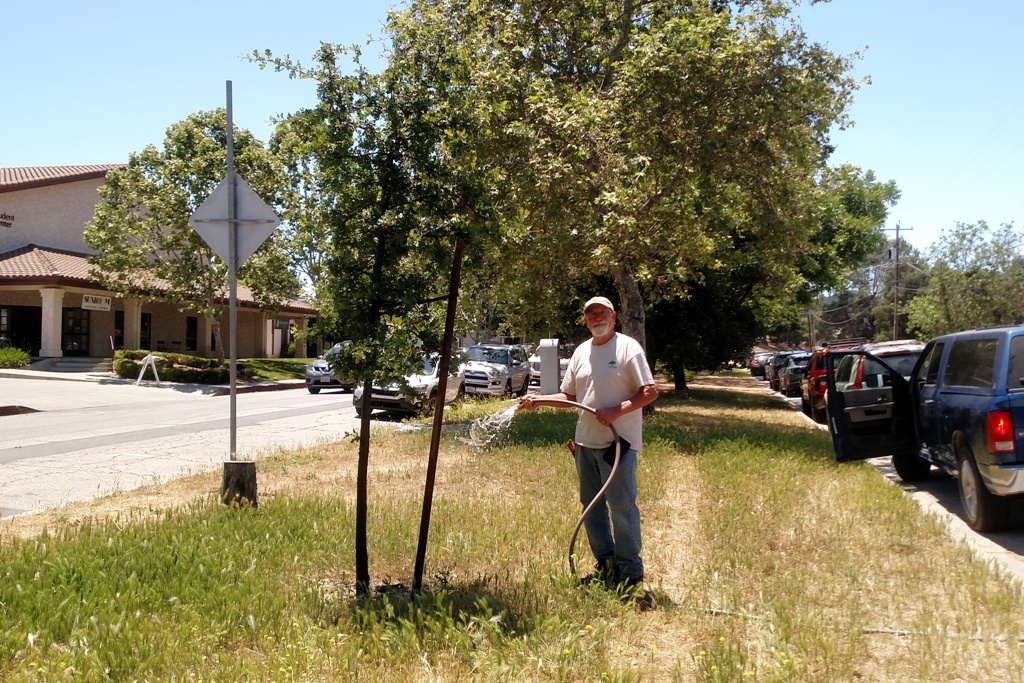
x=477, y=608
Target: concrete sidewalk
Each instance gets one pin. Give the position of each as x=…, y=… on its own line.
x=9, y=403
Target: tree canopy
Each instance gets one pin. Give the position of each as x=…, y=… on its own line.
x=639, y=137
x=148, y=249
x=977, y=280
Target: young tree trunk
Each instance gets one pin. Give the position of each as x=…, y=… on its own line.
x=362, y=471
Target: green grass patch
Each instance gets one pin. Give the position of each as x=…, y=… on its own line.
x=274, y=369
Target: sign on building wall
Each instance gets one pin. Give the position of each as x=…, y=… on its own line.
x=6, y=220
x=91, y=302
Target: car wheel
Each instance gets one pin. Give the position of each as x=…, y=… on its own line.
x=526, y=387
x=359, y=411
x=982, y=510
x=314, y=390
x=910, y=467
x=508, y=390
x=462, y=393
x=819, y=415
x=805, y=406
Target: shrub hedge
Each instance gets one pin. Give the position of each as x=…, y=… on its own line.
x=14, y=358
x=174, y=367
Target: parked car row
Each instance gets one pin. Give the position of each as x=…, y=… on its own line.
x=782, y=370
x=486, y=369
x=958, y=407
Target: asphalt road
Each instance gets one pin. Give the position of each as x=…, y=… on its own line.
x=79, y=436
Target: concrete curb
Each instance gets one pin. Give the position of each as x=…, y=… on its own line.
x=266, y=386
x=110, y=378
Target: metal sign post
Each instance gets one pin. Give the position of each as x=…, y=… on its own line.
x=231, y=205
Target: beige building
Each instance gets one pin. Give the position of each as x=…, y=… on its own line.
x=52, y=308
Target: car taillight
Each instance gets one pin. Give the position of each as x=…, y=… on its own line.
x=999, y=432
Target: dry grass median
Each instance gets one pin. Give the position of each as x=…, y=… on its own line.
x=767, y=561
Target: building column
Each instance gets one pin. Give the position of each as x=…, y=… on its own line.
x=132, y=332
x=205, y=331
x=300, y=333
x=264, y=335
x=53, y=321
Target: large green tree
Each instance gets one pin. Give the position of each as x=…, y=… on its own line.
x=739, y=297
x=306, y=204
x=148, y=249
x=977, y=280
x=639, y=136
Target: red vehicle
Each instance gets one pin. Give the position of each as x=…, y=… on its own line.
x=813, y=386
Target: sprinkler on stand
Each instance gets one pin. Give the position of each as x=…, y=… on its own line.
x=611, y=475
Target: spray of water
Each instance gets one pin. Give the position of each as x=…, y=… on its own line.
x=490, y=430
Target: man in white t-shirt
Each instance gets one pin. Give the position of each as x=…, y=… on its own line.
x=608, y=372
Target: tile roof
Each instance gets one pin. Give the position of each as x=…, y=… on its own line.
x=13, y=178
x=33, y=264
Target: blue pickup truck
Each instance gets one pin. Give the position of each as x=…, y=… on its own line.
x=961, y=410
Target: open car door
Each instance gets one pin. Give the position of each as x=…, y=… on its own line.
x=869, y=407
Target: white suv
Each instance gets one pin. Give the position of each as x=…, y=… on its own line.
x=497, y=370
x=419, y=398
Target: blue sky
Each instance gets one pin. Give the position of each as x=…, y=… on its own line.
x=89, y=83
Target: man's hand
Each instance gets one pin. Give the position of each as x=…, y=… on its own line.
x=526, y=403
x=607, y=415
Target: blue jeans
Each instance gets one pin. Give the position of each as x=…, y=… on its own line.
x=621, y=538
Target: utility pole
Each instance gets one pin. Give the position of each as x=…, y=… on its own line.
x=812, y=337
x=894, y=255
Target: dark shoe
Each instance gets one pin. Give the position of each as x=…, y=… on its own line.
x=630, y=583
x=605, y=573
x=632, y=590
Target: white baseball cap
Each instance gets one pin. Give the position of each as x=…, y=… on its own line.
x=602, y=300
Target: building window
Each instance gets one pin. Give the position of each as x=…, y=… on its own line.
x=191, y=333
x=75, y=333
x=5, y=328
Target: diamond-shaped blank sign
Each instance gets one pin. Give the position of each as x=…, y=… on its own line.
x=256, y=220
